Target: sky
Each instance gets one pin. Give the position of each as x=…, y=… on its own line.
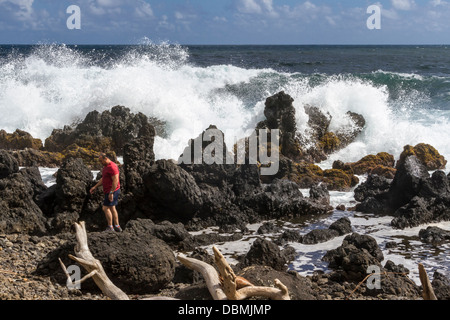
x=224, y=22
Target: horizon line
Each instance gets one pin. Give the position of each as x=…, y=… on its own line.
x=206, y=44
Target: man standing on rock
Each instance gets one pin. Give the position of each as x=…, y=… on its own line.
x=111, y=188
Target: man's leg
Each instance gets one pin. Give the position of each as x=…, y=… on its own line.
x=115, y=216
x=108, y=215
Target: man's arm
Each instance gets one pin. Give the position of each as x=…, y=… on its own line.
x=115, y=182
x=99, y=183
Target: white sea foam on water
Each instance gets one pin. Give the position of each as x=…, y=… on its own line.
x=48, y=176
x=410, y=251
x=56, y=86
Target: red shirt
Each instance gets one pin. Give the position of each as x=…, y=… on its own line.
x=108, y=172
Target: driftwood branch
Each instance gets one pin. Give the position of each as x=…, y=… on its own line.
x=428, y=292
x=223, y=285
x=232, y=290
x=208, y=272
x=92, y=266
x=226, y=285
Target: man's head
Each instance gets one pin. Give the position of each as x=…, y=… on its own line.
x=103, y=158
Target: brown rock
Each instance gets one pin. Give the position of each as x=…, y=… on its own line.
x=426, y=153
x=370, y=162
x=18, y=140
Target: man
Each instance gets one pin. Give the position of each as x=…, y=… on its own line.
x=111, y=188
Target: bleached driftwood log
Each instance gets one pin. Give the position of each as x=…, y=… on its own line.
x=208, y=272
x=229, y=288
x=232, y=291
x=428, y=292
x=93, y=266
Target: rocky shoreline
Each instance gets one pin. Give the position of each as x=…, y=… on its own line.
x=164, y=202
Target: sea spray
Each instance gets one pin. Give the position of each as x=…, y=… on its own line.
x=49, y=86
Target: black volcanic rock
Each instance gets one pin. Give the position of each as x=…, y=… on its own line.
x=337, y=228
x=104, y=132
x=280, y=114
x=18, y=211
x=138, y=158
x=265, y=253
x=64, y=203
x=354, y=256
x=8, y=165
x=408, y=181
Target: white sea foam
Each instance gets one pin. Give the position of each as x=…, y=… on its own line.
x=56, y=85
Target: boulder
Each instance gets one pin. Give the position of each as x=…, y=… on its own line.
x=427, y=154
x=318, y=122
x=174, y=190
x=308, y=175
x=280, y=114
x=348, y=133
x=33, y=175
x=18, y=211
x=269, y=227
x=374, y=186
x=138, y=158
x=437, y=186
x=289, y=236
x=339, y=180
x=421, y=211
x=441, y=286
x=408, y=182
x=8, y=165
x=305, y=174
x=319, y=235
x=395, y=282
x=300, y=288
x=172, y=234
x=434, y=235
x=283, y=199
x=354, y=256
x=320, y=194
x=342, y=226
x=410, y=176
x=337, y=228
x=137, y=264
x=18, y=140
x=64, y=202
x=40, y=158
x=265, y=253
x=101, y=132
x=381, y=164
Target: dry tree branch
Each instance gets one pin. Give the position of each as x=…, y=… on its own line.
x=230, y=286
x=428, y=292
x=92, y=266
x=208, y=272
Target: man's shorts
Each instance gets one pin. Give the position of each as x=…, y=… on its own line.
x=115, y=201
